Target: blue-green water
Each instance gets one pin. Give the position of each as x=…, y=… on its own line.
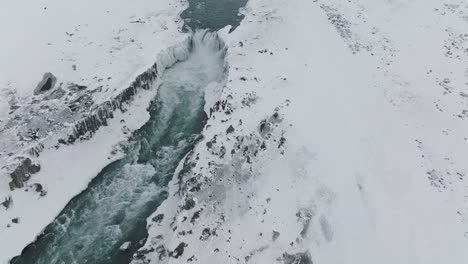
x=213, y=14
x=114, y=207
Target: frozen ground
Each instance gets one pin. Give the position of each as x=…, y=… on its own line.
x=341, y=138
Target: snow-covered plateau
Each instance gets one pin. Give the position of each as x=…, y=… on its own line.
x=340, y=135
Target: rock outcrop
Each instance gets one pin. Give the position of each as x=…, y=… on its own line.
x=100, y=114
x=82, y=112
x=23, y=172
x=48, y=82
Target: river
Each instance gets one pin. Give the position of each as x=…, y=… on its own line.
x=114, y=207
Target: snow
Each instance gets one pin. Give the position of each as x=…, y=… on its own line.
x=125, y=246
x=372, y=168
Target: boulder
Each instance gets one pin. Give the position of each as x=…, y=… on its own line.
x=48, y=82
x=23, y=172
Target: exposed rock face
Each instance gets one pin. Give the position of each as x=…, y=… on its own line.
x=298, y=258
x=84, y=127
x=23, y=172
x=100, y=114
x=44, y=122
x=48, y=82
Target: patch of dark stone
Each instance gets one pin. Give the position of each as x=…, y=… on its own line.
x=189, y=164
x=221, y=106
x=210, y=143
x=162, y=252
x=196, y=187
x=47, y=83
x=281, y=142
x=230, y=129
x=35, y=150
x=39, y=188
x=141, y=254
x=195, y=216
x=178, y=251
x=158, y=219
x=189, y=232
x=189, y=204
x=23, y=172
x=275, y=235
x=206, y=233
x=298, y=258
x=8, y=202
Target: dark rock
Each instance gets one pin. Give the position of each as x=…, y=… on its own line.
x=8, y=202
x=275, y=235
x=15, y=220
x=158, y=219
x=230, y=129
x=189, y=204
x=209, y=144
x=196, y=187
x=162, y=252
x=141, y=254
x=178, y=251
x=23, y=172
x=298, y=258
x=48, y=82
x=206, y=233
x=195, y=216
x=38, y=188
x=281, y=142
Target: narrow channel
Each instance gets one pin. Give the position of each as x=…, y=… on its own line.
x=114, y=208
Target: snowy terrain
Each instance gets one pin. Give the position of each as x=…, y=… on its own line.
x=340, y=136
x=342, y=140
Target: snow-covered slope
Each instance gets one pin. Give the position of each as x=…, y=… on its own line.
x=340, y=137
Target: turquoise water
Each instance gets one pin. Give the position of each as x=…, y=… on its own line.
x=213, y=14
x=114, y=208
